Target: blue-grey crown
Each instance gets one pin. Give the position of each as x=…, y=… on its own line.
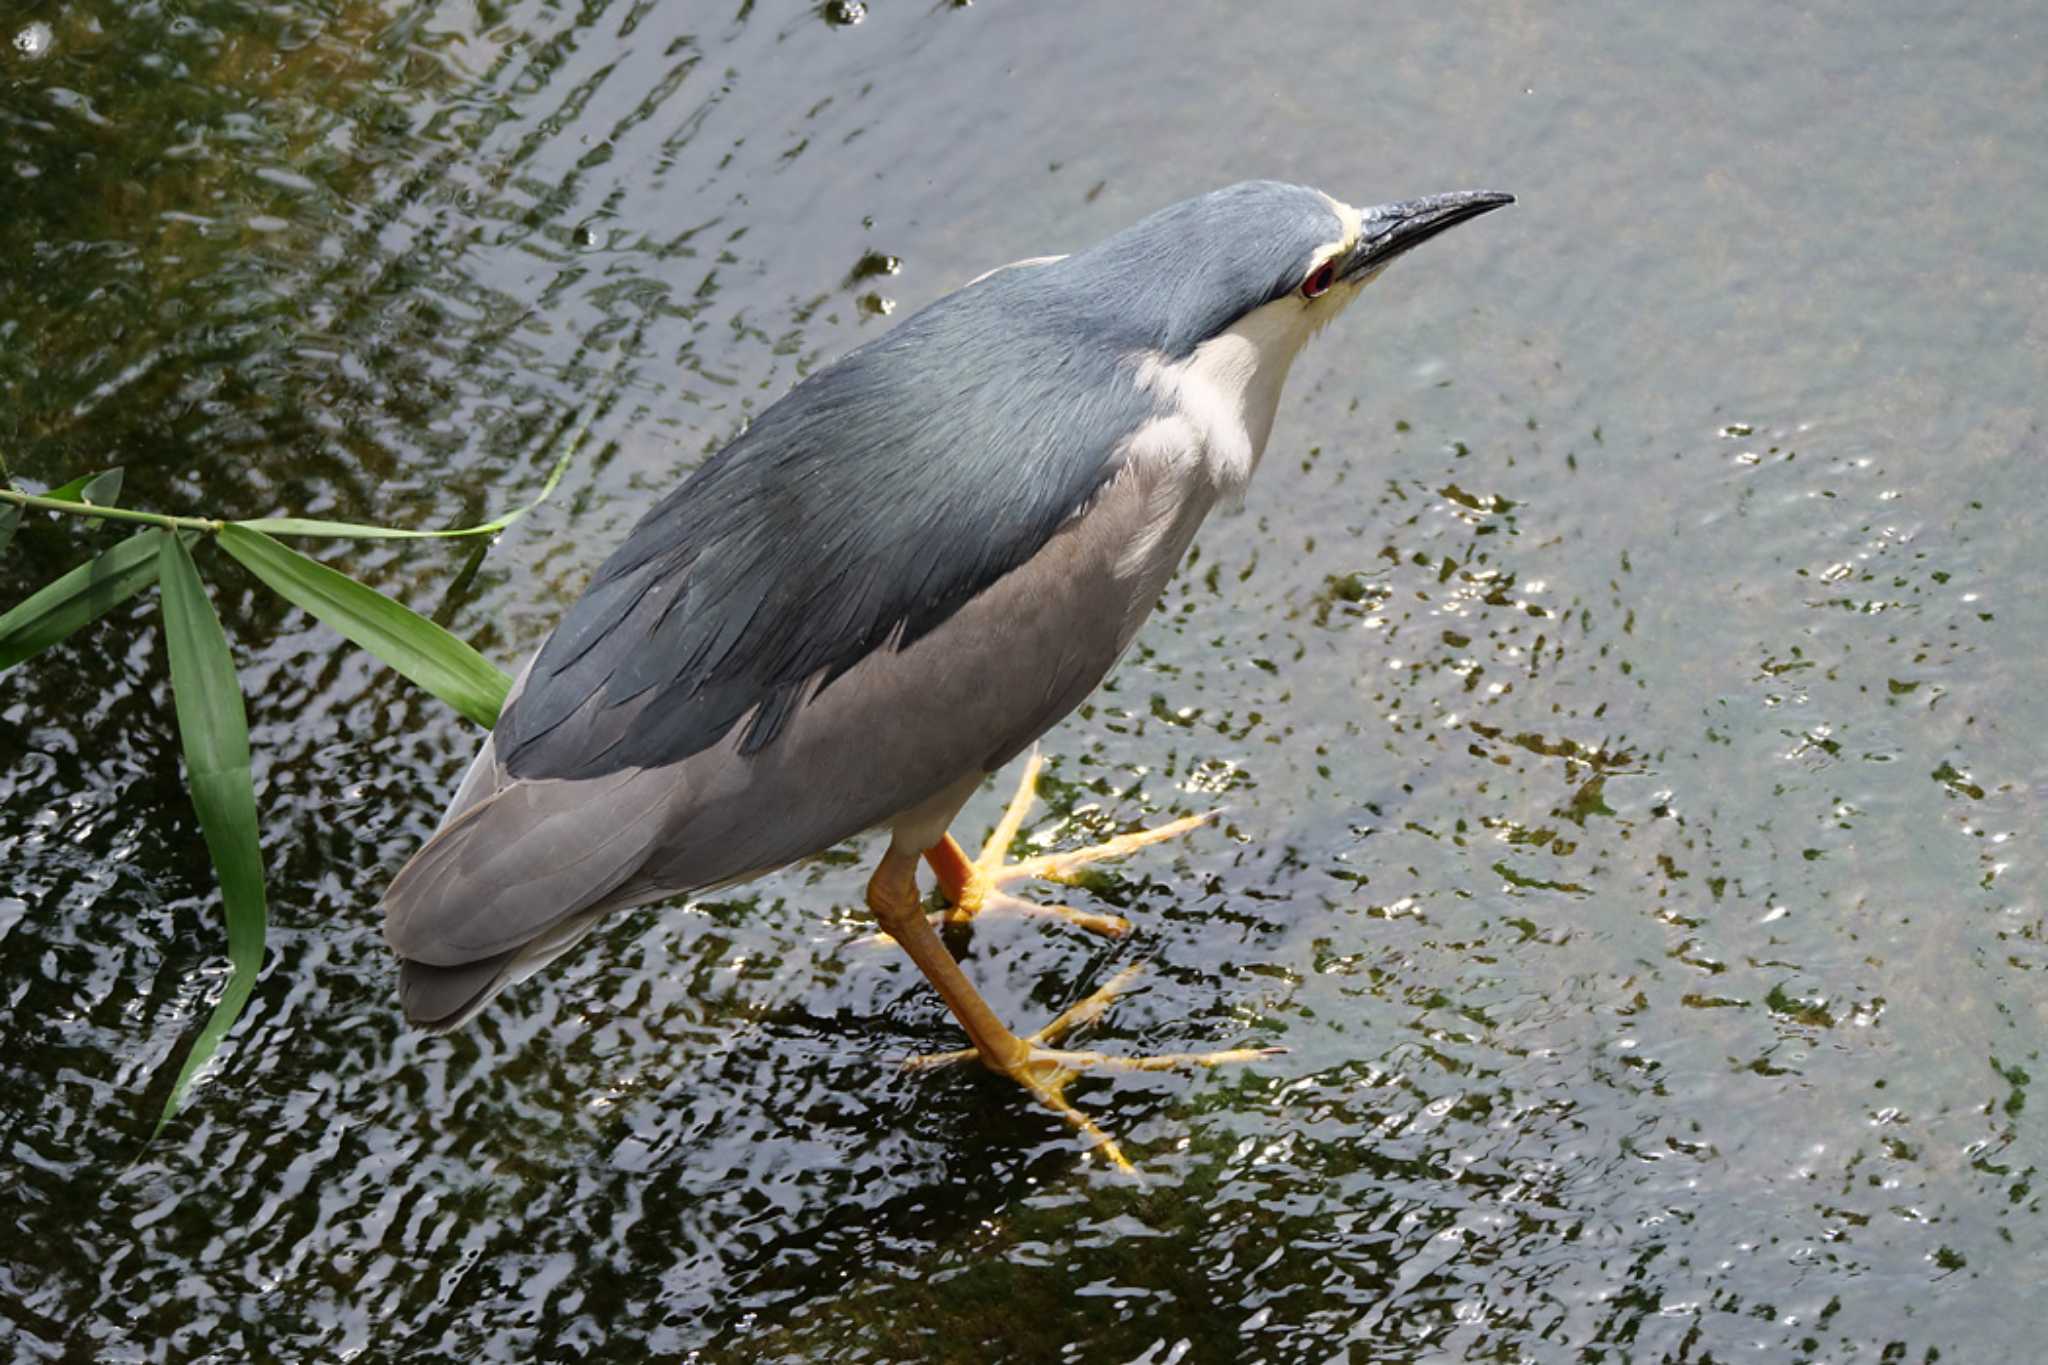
x=1189, y=271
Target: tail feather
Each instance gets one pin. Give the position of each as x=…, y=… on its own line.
x=513, y=879
x=444, y=998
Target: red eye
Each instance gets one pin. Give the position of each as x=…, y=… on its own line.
x=1319, y=280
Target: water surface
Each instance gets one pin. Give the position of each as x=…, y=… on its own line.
x=1622, y=682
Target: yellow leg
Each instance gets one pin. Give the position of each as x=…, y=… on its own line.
x=972, y=886
x=1087, y=1012
x=1044, y=1071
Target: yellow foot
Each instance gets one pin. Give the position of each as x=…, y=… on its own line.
x=1045, y=1070
x=973, y=886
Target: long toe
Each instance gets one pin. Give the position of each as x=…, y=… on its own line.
x=972, y=886
x=1046, y=1071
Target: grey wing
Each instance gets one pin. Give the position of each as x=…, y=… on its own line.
x=901, y=575
x=523, y=867
x=911, y=722
x=862, y=510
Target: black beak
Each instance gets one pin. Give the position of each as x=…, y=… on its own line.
x=1392, y=229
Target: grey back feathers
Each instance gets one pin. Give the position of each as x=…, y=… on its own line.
x=865, y=507
x=861, y=510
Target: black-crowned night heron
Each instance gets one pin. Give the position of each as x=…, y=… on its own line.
x=899, y=577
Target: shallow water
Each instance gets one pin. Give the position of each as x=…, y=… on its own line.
x=1622, y=684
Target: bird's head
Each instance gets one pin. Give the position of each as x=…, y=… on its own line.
x=1206, y=303
x=1297, y=257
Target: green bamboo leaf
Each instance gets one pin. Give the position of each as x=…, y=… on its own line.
x=79, y=597
x=214, y=730
x=359, y=530
x=356, y=530
x=101, y=490
x=409, y=642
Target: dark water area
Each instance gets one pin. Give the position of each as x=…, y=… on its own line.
x=1623, y=682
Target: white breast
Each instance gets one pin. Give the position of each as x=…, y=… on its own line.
x=1220, y=402
x=1223, y=397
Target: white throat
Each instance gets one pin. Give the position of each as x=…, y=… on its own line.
x=1224, y=396
x=1201, y=450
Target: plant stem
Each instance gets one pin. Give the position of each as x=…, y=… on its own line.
x=86, y=509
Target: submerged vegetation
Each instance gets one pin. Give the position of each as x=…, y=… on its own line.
x=213, y=725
